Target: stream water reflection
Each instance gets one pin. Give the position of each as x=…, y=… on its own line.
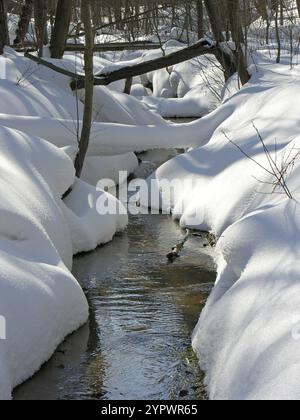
x=137, y=344
x=143, y=310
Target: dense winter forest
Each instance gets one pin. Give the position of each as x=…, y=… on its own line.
x=149, y=219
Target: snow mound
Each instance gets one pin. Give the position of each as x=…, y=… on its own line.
x=39, y=298
x=247, y=337
x=33, y=90
x=108, y=167
x=109, y=139
x=88, y=228
x=120, y=108
x=196, y=103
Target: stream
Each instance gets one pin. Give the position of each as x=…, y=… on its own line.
x=137, y=344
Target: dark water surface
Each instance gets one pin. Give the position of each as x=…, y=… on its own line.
x=143, y=310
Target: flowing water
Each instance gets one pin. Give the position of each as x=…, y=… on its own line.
x=137, y=344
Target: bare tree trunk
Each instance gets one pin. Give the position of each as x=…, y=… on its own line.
x=128, y=85
x=234, y=17
x=61, y=28
x=263, y=10
x=24, y=21
x=298, y=6
x=3, y=25
x=40, y=17
x=187, y=21
x=277, y=31
x=282, y=12
x=212, y=8
x=200, y=18
x=86, y=15
x=214, y=18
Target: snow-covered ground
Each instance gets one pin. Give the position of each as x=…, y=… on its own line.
x=40, y=301
x=190, y=89
x=247, y=338
x=40, y=118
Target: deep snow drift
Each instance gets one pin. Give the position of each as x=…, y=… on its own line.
x=247, y=338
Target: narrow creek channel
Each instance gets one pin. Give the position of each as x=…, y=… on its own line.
x=137, y=344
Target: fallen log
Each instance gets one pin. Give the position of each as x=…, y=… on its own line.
x=114, y=46
x=53, y=67
x=200, y=48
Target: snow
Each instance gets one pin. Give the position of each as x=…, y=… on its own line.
x=190, y=89
x=39, y=233
x=88, y=228
x=32, y=90
x=43, y=105
x=116, y=107
x=108, y=167
x=40, y=301
x=247, y=338
x=199, y=81
x=195, y=104
x=38, y=236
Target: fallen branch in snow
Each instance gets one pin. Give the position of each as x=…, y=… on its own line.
x=204, y=46
x=200, y=48
x=104, y=47
x=53, y=67
x=114, y=46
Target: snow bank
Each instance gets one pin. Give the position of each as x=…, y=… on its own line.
x=108, y=167
x=195, y=104
x=88, y=228
x=40, y=301
x=190, y=89
x=247, y=338
x=139, y=91
x=32, y=101
x=28, y=89
x=120, y=108
x=202, y=72
x=113, y=139
x=201, y=78
x=32, y=90
x=39, y=298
